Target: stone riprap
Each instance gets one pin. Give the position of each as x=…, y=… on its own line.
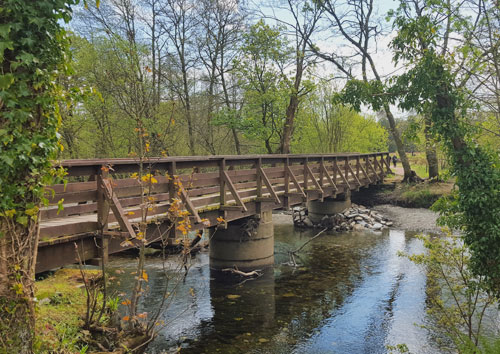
x=356, y=218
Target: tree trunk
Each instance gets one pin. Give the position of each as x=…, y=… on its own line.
x=291, y=110
x=236, y=141
x=18, y=250
x=399, y=143
x=430, y=150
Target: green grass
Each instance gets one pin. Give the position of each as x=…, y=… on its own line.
x=58, y=323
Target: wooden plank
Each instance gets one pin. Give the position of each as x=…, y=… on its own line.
x=74, y=197
x=232, y=207
x=71, y=187
x=48, y=214
x=233, y=190
x=68, y=229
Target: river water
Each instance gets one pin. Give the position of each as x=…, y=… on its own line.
x=351, y=293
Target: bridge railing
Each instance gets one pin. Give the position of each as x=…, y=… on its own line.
x=211, y=186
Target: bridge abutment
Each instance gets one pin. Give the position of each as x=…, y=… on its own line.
x=329, y=206
x=247, y=244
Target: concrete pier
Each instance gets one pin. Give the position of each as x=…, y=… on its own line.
x=246, y=243
x=329, y=206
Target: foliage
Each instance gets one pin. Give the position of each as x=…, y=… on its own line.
x=430, y=87
x=328, y=127
x=33, y=49
x=458, y=301
x=261, y=73
x=33, y=52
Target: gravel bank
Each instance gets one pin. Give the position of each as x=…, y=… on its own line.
x=412, y=219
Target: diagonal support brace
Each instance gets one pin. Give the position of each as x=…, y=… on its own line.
x=117, y=208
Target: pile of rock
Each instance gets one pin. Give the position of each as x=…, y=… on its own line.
x=357, y=217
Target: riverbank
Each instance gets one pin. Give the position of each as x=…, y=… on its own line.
x=420, y=195
x=408, y=219
x=61, y=306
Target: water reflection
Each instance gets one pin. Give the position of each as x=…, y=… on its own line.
x=351, y=293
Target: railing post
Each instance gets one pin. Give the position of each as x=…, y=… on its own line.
x=171, y=196
x=102, y=203
x=222, y=182
x=335, y=170
x=287, y=184
x=102, y=213
x=357, y=167
x=322, y=164
x=305, y=177
x=346, y=168
x=258, y=205
x=259, y=177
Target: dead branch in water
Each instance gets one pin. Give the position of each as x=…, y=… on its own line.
x=254, y=274
x=235, y=270
x=293, y=253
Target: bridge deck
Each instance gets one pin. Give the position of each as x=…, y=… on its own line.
x=231, y=187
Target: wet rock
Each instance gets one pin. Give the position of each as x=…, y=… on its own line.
x=377, y=226
x=307, y=222
x=358, y=227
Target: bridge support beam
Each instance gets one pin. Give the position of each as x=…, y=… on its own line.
x=247, y=244
x=329, y=206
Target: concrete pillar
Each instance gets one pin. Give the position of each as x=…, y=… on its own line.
x=318, y=209
x=246, y=243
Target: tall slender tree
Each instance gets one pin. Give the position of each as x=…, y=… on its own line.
x=355, y=26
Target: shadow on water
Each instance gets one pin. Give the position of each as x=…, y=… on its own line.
x=351, y=293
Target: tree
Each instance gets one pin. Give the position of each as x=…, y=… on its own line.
x=329, y=127
x=179, y=23
x=354, y=23
x=33, y=48
x=306, y=16
x=261, y=72
x=221, y=26
x=434, y=85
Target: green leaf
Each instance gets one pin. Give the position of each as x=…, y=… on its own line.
x=5, y=81
x=22, y=219
x=5, y=45
x=5, y=30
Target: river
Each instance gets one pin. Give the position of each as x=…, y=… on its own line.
x=351, y=293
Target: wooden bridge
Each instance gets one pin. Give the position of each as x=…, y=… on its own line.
x=103, y=201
